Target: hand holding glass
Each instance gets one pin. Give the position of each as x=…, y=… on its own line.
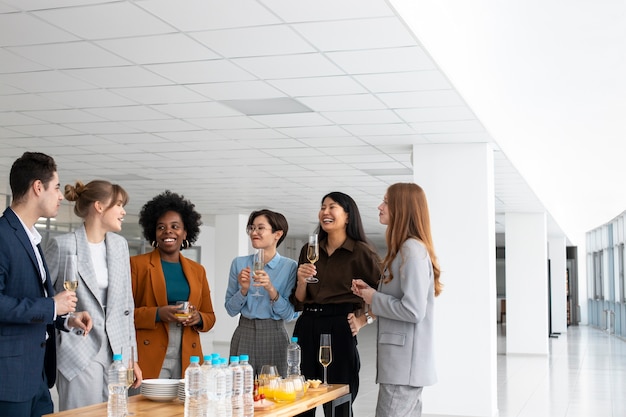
x=312, y=254
x=257, y=265
x=70, y=280
x=325, y=355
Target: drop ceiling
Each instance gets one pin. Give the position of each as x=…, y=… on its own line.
x=161, y=94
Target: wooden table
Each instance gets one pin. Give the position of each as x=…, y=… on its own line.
x=338, y=395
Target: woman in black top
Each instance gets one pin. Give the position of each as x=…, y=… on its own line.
x=329, y=306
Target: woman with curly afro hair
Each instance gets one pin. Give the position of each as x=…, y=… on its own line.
x=163, y=278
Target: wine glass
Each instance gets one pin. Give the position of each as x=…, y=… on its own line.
x=312, y=254
x=257, y=265
x=130, y=369
x=70, y=280
x=326, y=355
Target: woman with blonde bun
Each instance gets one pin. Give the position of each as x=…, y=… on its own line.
x=104, y=290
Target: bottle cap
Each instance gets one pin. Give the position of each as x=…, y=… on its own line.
x=294, y=339
x=206, y=358
x=194, y=359
x=234, y=359
x=117, y=356
x=215, y=361
x=244, y=358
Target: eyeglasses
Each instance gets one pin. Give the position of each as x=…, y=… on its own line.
x=260, y=230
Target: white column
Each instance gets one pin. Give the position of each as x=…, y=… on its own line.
x=557, y=253
x=459, y=185
x=526, y=283
x=231, y=241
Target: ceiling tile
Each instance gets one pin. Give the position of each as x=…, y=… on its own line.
x=382, y=60
x=161, y=125
x=129, y=138
x=254, y=41
x=95, y=22
x=158, y=49
x=14, y=118
x=64, y=116
x=251, y=133
x=159, y=94
x=435, y=98
x=379, y=129
x=332, y=141
x=365, y=117
x=50, y=4
x=201, y=72
x=292, y=120
x=304, y=11
x=14, y=63
x=321, y=86
x=99, y=128
x=341, y=35
x=434, y=114
x=238, y=90
x=8, y=90
x=408, y=139
x=69, y=55
x=24, y=29
x=88, y=98
x=197, y=15
x=43, y=130
x=470, y=126
x=233, y=122
x=313, y=131
x=19, y=102
x=345, y=102
x=404, y=81
x=289, y=66
x=194, y=110
x=116, y=77
x=124, y=113
x=42, y=81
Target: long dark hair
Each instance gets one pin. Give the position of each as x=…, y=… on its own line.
x=354, y=228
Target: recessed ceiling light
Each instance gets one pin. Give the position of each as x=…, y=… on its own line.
x=279, y=105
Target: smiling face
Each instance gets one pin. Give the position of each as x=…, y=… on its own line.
x=261, y=234
x=114, y=216
x=383, y=212
x=332, y=216
x=170, y=234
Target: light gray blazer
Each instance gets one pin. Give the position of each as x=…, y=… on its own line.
x=405, y=308
x=115, y=327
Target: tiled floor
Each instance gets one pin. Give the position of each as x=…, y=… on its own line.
x=584, y=376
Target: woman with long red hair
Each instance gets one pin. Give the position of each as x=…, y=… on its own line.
x=404, y=302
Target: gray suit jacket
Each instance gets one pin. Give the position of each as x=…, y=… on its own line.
x=405, y=308
x=113, y=325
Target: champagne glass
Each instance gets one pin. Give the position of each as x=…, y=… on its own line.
x=130, y=369
x=326, y=355
x=257, y=265
x=312, y=254
x=70, y=280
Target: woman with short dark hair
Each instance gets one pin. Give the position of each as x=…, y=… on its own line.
x=262, y=298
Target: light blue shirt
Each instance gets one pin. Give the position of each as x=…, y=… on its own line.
x=282, y=273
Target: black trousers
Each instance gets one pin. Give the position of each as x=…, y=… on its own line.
x=346, y=363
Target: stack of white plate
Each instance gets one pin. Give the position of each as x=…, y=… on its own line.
x=181, y=390
x=160, y=389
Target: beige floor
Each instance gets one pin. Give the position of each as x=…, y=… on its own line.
x=584, y=376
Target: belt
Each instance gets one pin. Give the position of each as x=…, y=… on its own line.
x=330, y=309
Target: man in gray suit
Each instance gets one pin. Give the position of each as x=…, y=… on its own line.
x=29, y=308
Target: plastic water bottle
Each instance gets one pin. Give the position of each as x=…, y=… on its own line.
x=228, y=387
x=248, y=386
x=206, y=368
x=117, y=405
x=237, y=396
x=215, y=382
x=294, y=355
x=195, y=392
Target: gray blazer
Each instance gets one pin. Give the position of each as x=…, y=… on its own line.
x=114, y=327
x=405, y=308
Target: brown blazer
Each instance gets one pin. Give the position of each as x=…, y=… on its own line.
x=150, y=293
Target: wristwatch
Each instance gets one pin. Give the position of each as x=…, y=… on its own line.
x=369, y=318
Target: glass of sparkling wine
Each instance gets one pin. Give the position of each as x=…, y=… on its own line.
x=70, y=275
x=258, y=263
x=326, y=355
x=313, y=254
x=130, y=369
